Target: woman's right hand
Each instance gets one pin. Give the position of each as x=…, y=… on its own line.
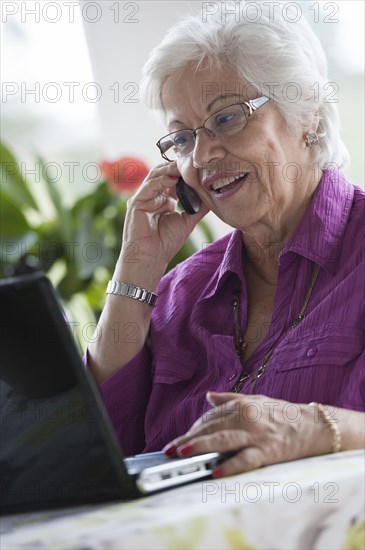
x=154, y=231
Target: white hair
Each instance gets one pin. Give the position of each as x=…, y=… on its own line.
x=276, y=52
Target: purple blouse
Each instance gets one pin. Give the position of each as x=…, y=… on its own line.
x=161, y=392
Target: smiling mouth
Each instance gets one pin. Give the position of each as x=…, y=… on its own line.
x=227, y=183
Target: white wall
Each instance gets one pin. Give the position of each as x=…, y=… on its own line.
x=118, y=51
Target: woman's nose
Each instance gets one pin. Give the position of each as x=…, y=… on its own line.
x=207, y=149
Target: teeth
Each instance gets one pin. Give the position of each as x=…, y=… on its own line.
x=226, y=181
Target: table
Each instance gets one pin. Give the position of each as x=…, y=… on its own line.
x=314, y=503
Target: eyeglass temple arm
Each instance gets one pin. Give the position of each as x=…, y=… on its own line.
x=256, y=103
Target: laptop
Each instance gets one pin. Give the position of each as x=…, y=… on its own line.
x=57, y=445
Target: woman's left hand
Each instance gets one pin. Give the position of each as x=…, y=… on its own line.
x=262, y=430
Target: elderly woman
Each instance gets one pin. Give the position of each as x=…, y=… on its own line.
x=256, y=343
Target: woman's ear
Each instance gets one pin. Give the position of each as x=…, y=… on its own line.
x=310, y=135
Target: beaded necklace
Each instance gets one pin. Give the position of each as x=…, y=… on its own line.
x=241, y=345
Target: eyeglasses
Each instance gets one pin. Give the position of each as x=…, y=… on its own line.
x=224, y=123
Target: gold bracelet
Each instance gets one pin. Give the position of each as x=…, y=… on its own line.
x=332, y=424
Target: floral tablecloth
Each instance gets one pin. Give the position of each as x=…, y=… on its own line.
x=315, y=503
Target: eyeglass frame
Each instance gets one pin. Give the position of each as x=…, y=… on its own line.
x=252, y=104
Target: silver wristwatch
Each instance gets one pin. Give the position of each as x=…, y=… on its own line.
x=132, y=291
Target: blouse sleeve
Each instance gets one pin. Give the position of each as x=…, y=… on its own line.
x=125, y=395
x=352, y=395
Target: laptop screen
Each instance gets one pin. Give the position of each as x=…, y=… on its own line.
x=57, y=447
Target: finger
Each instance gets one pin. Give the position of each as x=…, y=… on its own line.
x=244, y=460
x=156, y=206
x=226, y=416
x=164, y=169
x=215, y=398
x=172, y=192
x=247, y=408
x=204, y=427
x=220, y=441
x=230, y=408
x=209, y=422
x=162, y=204
x=154, y=185
x=168, y=168
x=192, y=219
x=155, y=190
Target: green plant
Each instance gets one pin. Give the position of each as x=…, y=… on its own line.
x=76, y=245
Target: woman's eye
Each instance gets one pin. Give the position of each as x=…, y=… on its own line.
x=181, y=140
x=225, y=118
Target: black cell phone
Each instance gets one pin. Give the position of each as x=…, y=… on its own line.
x=189, y=200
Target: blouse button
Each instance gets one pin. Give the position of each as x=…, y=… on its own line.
x=311, y=352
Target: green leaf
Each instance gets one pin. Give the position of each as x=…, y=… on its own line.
x=64, y=216
x=90, y=251
x=205, y=228
x=12, y=221
x=51, y=188
x=82, y=318
x=12, y=249
x=12, y=182
x=96, y=201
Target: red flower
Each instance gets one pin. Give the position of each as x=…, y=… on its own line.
x=125, y=175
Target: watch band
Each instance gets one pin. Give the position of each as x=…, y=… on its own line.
x=132, y=291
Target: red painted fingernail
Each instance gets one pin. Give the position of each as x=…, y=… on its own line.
x=170, y=451
x=184, y=450
x=218, y=472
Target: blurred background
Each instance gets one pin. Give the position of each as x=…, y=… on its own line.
x=76, y=139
